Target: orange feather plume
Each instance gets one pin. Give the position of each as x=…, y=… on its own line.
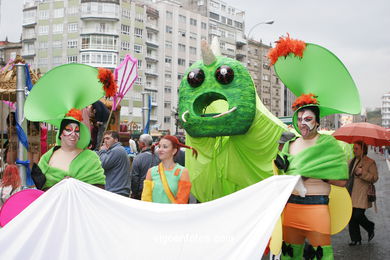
x=76, y=114
x=107, y=78
x=305, y=99
x=284, y=47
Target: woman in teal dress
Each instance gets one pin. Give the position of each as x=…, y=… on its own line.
x=169, y=182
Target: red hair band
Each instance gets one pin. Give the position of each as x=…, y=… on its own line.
x=176, y=144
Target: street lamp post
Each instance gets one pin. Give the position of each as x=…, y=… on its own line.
x=254, y=26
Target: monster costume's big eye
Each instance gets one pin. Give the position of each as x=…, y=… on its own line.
x=224, y=74
x=195, y=78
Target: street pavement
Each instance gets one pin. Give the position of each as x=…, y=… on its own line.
x=379, y=247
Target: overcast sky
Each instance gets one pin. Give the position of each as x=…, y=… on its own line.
x=357, y=31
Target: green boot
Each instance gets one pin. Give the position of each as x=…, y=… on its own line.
x=291, y=252
x=320, y=253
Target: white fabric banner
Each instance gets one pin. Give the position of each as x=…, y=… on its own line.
x=75, y=220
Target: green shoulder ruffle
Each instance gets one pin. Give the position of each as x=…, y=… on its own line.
x=325, y=160
x=85, y=167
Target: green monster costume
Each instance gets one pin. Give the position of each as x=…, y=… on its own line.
x=320, y=79
x=67, y=87
x=235, y=135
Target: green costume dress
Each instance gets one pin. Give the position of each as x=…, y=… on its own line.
x=85, y=167
x=159, y=194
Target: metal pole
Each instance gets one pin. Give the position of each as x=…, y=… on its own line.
x=145, y=108
x=20, y=98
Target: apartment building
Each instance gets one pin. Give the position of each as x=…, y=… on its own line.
x=274, y=95
x=225, y=22
x=163, y=36
x=385, y=110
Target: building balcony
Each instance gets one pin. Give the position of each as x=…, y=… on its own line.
x=101, y=65
x=151, y=27
x=30, y=22
x=86, y=31
x=151, y=72
x=29, y=37
x=27, y=54
x=152, y=43
x=99, y=14
x=152, y=88
x=99, y=47
x=240, y=54
x=240, y=41
x=151, y=57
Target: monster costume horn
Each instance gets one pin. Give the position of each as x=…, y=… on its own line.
x=207, y=54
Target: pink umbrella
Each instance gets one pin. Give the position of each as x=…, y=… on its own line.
x=17, y=203
x=125, y=74
x=368, y=133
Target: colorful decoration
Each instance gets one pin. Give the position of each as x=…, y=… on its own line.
x=304, y=100
x=125, y=74
x=76, y=114
x=284, y=47
x=107, y=78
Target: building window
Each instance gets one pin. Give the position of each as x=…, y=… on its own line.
x=190, y=63
x=125, y=46
x=181, y=62
x=58, y=13
x=139, y=64
x=43, y=45
x=72, y=27
x=168, y=29
x=238, y=24
x=182, y=33
x=167, y=104
x=168, y=77
x=137, y=48
x=193, y=36
x=125, y=29
x=229, y=21
x=167, y=90
x=43, y=62
x=193, y=50
x=43, y=15
x=167, y=119
x=182, y=47
x=168, y=59
x=43, y=29
x=72, y=59
x=214, y=16
x=139, y=17
x=72, y=43
x=168, y=44
x=57, y=60
x=138, y=32
x=193, y=21
x=57, y=44
x=182, y=19
x=73, y=10
x=58, y=28
x=169, y=15
x=203, y=26
x=126, y=13
x=180, y=76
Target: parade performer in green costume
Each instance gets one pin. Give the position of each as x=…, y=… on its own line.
x=235, y=135
x=56, y=99
x=306, y=69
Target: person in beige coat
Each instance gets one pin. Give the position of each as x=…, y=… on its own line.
x=362, y=172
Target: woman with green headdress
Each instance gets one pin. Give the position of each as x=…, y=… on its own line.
x=57, y=99
x=306, y=69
